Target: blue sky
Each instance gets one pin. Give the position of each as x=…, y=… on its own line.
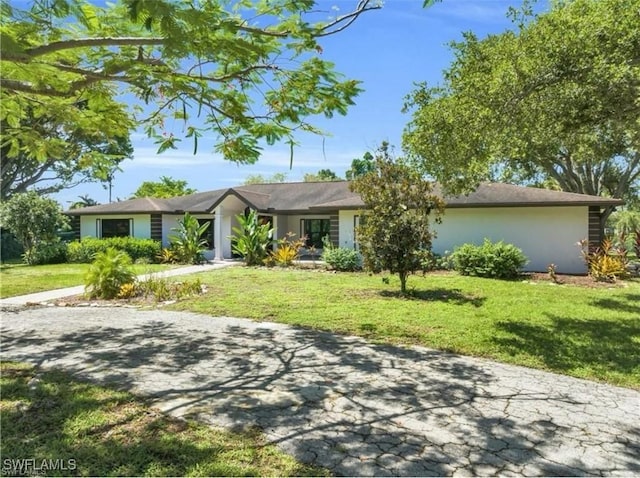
x=388, y=50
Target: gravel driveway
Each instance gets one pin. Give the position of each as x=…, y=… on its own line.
x=356, y=408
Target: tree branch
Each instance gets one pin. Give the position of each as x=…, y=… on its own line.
x=85, y=42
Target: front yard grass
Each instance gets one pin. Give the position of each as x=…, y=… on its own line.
x=75, y=428
x=578, y=331
x=20, y=279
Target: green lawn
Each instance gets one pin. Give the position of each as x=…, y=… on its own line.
x=20, y=279
x=95, y=431
x=588, y=333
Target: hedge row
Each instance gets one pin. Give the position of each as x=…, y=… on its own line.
x=85, y=250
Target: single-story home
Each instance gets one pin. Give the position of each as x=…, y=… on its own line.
x=545, y=224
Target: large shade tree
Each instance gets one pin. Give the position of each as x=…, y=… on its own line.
x=556, y=102
x=251, y=71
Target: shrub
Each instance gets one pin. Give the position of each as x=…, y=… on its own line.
x=33, y=219
x=189, y=243
x=251, y=240
x=497, y=260
x=84, y=251
x=167, y=256
x=161, y=289
x=127, y=291
x=602, y=263
x=287, y=251
x=49, y=253
x=10, y=247
x=107, y=274
x=341, y=258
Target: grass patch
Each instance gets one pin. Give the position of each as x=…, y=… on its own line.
x=95, y=431
x=583, y=332
x=20, y=279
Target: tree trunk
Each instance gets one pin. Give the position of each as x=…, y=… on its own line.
x=403, y=282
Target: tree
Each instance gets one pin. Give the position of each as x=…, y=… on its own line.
x=83, y=201
x=251, y=71
x=260, y=179
x=166, y=187
x=394, y=232
x=77, y=157
x=360, y=167
x=322, y=175
x=32, y=219
x=556, y=101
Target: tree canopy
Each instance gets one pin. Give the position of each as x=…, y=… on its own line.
x=360, y=166
x=322, y=175
x=250, y=71
x=166, y=187
x=32, y=219
x=261, y=179
x=394, y=232
x=555, y=102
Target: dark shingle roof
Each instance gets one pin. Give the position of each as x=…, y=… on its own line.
x=301, y=197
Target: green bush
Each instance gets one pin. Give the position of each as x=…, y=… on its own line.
x=251, y=239
x=189, y=242
x=107, y=274
x=85, y=250
x=162, y=289
x=10, y=247
x=49, y=253
x=497, y=260
x=341, y=258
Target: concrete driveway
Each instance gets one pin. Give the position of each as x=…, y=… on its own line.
x=356, y=408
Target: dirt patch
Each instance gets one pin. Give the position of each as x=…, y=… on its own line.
x=574, y=280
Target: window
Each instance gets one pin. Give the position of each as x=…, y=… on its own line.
x=314, y=230
x=114, y=228
x=208, y=234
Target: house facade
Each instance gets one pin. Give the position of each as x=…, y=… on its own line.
x=545, y=224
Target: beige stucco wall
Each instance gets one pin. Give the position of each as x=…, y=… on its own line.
x=141, y=224
x=346, y=237
x=545, y=234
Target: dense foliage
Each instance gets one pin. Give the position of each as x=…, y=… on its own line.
x=553, y=104
x=33, y=220
x=251, y=239
x=322, y=175
x=84, y=251
x=604, y=262
x=188, y=242
x=109, y=271
x=166, y=187
x=341, y=258
x=54, y=252
x=249, y=71
x=394, y=229
x=360, y=167
x=495, y=260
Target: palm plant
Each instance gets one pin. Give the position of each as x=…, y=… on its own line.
x=109, y=271
x=251, y=240
x=188, y=242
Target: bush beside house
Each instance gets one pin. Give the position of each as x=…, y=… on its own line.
x=84, y=251
x=494, y=260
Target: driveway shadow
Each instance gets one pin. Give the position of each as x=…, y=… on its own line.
x=335, y=401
